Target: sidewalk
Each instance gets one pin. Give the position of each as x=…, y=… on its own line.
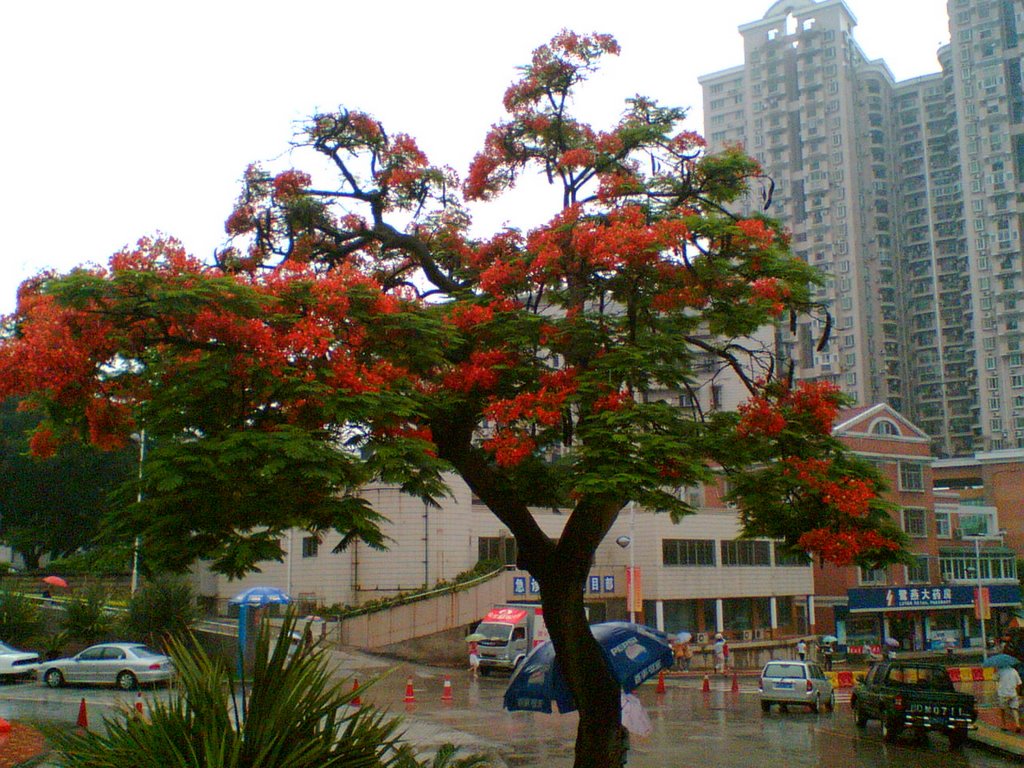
x=991, y=735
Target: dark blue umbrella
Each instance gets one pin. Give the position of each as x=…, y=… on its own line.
x=254, y=597
x=634, y=653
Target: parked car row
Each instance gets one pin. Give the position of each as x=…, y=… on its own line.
x=126, y=665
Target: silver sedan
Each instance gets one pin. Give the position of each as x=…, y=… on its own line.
x=125, y=665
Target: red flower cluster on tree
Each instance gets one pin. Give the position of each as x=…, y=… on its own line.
x=290, y=184
x=510, y=447
x=843, y=547
x=759, y=416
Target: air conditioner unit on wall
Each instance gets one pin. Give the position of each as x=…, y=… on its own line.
x=748, y=635
x=759, y=634
x=702, y=637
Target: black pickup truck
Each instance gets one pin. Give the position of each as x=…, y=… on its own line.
x=911, y=695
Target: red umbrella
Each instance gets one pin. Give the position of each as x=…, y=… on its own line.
x=56, y=581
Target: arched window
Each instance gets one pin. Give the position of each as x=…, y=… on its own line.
x=884, y=427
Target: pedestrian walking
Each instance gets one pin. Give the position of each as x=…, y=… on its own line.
x=827, y=650
x=1008, y=689
x=474, y=658
x=683, y=654
x=718, y=651
x=801, y=649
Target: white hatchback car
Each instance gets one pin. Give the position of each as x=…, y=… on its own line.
x=787, y=682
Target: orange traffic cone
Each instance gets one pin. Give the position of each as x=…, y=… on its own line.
x=446, y=695
x=735, y=683
x=83, y=716
x=706, y=688
x=410, y=695
x=661, y=682
x=5, y=727
x=356, y=702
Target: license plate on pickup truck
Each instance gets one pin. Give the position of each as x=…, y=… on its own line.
x=786, y=685
x=938, y=710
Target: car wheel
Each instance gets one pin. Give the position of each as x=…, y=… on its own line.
x=53, y=678
x=766, y=706
x=816, y=704
x=126, y=681
x=957, y=738
x=889, y=730
x=830, y=705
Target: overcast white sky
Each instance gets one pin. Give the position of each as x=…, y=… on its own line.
x=122, y=119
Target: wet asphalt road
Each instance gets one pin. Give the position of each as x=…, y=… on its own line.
x=720, y=729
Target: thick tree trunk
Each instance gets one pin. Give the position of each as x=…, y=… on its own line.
x=599, y=742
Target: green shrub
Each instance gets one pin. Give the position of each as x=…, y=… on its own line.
x=294, y=716
x=159, y=611
x=19, y=618
x=86, y=617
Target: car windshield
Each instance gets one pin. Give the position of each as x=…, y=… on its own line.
x=783, y=670
x=5, y=648
x=495, y=634
x=144, y=653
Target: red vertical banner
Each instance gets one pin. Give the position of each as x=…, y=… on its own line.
x=982, y=607
x=634, y=590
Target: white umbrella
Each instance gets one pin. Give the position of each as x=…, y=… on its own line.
x=683, y=637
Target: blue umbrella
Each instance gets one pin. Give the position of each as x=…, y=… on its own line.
x=634, y=653
x=1000, y=660
x=256, y=597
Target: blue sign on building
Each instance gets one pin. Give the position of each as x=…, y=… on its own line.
x=595, y=583
x=518, y=585
x=922, y=597
x=534, y=586
x=609, y=583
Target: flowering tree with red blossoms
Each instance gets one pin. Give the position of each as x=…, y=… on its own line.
x=356, y=331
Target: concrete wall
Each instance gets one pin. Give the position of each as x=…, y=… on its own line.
x=448, y=612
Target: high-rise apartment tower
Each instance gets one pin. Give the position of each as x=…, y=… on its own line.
x=905, y=195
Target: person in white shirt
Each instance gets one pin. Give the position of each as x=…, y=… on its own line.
x=1008, y=690
x=801, y=649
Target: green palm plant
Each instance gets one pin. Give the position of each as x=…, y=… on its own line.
x=293, y=716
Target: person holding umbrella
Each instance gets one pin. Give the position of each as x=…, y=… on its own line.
x=1007, y=688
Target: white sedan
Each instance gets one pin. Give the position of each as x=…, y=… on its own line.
x=15, y=663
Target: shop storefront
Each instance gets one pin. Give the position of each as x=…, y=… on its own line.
x=927, y=617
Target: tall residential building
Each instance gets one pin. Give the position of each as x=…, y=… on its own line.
x=904, y=195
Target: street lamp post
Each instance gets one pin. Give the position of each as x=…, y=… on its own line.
x=979, y=602
x=624, y=542
x=632, y=566
x=138, y=498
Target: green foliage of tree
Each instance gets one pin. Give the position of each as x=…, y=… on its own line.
x=86, y=616
x=160, y=610
x=52, y=507
x=294, y=716
x=19, y=618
